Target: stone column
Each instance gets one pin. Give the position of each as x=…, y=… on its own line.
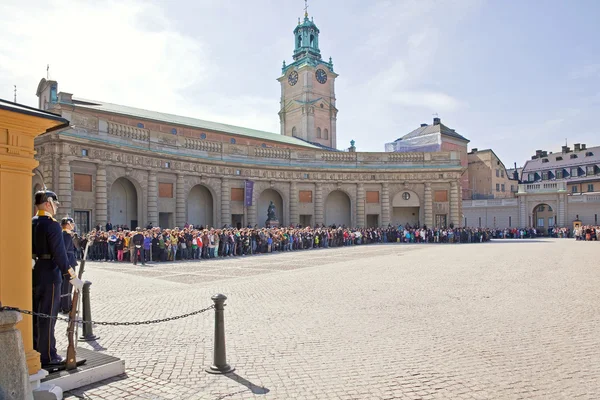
x=180, y=202
x=225, y=203
x=252, y=210
x=428, y=212
x=385, y=204
x=360, y=205
x=64, y=189
x=14, y=377
x=101, y=216
x=294, y=217
x=454, y=206
x=523, y=222
x=561, y=215
x=152, y=198
x=319, y=204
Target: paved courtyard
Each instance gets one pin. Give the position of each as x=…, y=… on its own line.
x=502, y=320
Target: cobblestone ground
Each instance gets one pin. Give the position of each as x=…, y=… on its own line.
x=503, y=320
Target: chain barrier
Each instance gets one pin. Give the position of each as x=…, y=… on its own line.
x=149, y=322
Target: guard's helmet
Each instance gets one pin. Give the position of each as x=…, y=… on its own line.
x=67, y=220
x=45, y=195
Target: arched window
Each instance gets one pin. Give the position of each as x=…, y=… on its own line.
x=312, y=40
x=299, y=41
x=140, y=125
x=325, y=134
x=294, y=131
x=318, y=133
x=232, y=141
x=203, y=135
x=174, y=131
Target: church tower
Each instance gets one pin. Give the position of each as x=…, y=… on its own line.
x=308, y=109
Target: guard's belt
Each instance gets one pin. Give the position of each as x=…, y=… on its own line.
x=42, y=256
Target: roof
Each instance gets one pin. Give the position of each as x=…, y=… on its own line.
x=187, y=121
x=60, y=122
x=566, y=162
x=433, y=129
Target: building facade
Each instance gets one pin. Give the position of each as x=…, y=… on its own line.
x=134, y=167
x=488, y=177
x=556, y=189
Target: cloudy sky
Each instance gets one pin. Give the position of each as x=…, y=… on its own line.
x=511, y=75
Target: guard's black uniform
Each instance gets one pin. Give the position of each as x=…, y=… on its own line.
x=50, y=266
x=66, y=287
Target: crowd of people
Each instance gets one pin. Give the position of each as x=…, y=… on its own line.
x=528, y=233
x=587, y=233
x=191, y=243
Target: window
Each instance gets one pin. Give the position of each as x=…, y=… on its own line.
x=591, y=170
x=82, y=221
x=264, y=145
x=497, y=173
x=167, y=164
x=406, y=196
x=559, y=158
x=306, y=176
x=573, y=156
x=573, y=189
x=589, y=154
x=544, y=160
x=497, y=187
x=503, y=187
x=237, y=194
x=541, y=208
x=550, y=221
x=549, y=208
x=559, y=174
x=509, y=221
x=305, y=196
x=82, y=183
x=165, y=190
x=318, y=133
x=502, y=173
x=373, y=197
x=545, y=176
x=574, y=172
x=294, y=131
x=140, y=125
x=540, y=223
x=440, y=196
x=203, y=135
x=174, y=131
x=590, y=187
x=232, y=141
x=84, y=152
x=480, y=222
x=531, y=177
x=325, y=134
x=238, y=172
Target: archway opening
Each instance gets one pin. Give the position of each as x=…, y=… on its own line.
x=544, y=217
x=405, y=209
x=200, y=207
x=337, y=209
x=123, y=210
x=264, y=200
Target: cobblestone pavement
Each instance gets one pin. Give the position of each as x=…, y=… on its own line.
x=502, y=320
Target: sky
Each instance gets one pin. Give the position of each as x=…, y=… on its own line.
x=510, y=75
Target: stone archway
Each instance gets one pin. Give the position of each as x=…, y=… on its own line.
x=543, y=217
x=338, y=209
x=406, y=207
x=264, y=200
x=200, y=207
x=123, y=203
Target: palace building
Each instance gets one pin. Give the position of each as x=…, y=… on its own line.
x=134, y=167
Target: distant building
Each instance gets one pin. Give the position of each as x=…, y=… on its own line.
x=488, y=177
x=556, y=189
x=435, y=138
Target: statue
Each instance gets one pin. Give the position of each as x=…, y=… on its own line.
x=272, y=220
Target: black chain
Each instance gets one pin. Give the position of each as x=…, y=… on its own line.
x=152, y=321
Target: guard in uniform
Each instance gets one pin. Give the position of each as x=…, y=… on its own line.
x=51, y=264
x=65, y=292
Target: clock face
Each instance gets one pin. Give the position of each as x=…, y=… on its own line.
x=293, y=78
x=321, y=76
x=406, y=195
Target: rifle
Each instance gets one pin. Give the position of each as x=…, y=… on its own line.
x=71, y=353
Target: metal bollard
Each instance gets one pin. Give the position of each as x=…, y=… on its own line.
x=220, y=365
x=88, y=330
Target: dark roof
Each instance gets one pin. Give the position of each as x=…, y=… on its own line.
x=433, y=129
x=34, y=112
x=539, y=165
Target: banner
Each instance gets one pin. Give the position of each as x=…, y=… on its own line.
x=248, y=189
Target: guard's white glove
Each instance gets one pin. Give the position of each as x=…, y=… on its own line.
x=77, y=283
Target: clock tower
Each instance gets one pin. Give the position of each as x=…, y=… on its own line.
x=307, y=108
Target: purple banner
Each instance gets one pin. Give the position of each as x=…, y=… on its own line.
x=248, y=189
